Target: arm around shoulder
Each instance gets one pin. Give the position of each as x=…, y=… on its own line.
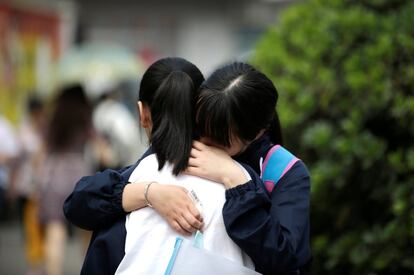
x=96, y=201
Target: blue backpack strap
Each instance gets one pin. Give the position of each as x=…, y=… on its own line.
x=276, y=164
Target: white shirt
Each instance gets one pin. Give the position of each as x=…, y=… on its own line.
x=150, y=240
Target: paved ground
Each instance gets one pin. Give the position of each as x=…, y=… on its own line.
x=12, y=260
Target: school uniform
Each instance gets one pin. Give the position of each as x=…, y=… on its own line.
x=150, y=240
x=273, y=229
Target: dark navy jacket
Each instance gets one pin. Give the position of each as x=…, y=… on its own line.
x=273, y=229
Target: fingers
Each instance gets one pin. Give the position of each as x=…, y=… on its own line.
x=176, y=226
x=194, y=153
x=190, y=212
x=188, y=221
x=185, y=225
x=193, y=171
x=196, y=214
x=194, y=218
x=181, y=213
x=192, y=162
x=198, y=145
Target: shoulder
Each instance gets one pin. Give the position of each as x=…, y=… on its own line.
x=298, y=170
x=127, y=171
x=149, y=152
x=282, y=167
x=296, y=178
x=147, y=159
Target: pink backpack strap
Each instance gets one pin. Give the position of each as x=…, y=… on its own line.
x=277, y=163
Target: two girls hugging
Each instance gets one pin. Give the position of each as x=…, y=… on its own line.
x=210, y=137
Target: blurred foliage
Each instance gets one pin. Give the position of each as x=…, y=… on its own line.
x=344, y=70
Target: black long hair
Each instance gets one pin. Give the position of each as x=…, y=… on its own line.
x=169, y=88
x=237, y=101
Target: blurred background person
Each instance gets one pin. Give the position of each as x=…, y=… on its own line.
x=23, y=183
x=9, y=150
x=120, y=142
x=69, y=131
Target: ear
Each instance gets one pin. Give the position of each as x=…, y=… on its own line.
x=144, y=115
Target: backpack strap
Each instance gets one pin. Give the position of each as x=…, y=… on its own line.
x=277, y=163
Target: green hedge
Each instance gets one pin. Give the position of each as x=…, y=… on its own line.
x=345, y=74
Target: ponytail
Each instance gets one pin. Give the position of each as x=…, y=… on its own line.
x=275, y=130
x=172, y=119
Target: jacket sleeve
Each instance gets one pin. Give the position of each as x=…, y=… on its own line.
x=272, y=229
x=96, y=201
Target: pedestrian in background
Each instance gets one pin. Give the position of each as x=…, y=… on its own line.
x=23, y=184
x=9, y=150
x=69, y=131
